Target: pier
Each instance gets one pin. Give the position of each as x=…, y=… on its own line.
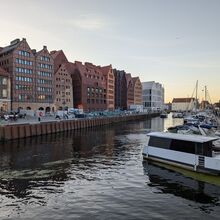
x=24, y=130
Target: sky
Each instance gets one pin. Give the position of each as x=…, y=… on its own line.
x=173, y=42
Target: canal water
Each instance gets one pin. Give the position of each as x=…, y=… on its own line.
x=98, y=173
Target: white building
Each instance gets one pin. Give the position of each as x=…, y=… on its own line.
x=183, y=104
x=152, y=96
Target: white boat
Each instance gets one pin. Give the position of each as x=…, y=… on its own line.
x=177, y=115
x=192, y=152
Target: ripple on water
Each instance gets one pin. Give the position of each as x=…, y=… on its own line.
x=98, y=174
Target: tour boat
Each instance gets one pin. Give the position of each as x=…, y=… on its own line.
x=192, y=152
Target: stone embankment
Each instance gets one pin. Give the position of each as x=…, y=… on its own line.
x=17, y=131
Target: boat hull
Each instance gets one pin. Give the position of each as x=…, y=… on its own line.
x=182, y=160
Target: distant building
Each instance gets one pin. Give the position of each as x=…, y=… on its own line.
x=31, y=75
x=168, y=106
x=128, y=90
x=120, y=89
x=137, y=91
x=110, y=86
x=5, y=91
x=183, y=104
x=63, y=89
x=205, y=104
x=153, y=96
x=93, y=87
x=217, y=105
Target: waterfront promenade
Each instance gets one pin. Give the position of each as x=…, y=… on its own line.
x=26, y=128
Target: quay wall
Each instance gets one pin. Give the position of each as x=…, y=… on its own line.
x=17, y=131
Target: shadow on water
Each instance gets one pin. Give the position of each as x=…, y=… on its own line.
x=34, y=172
x=38, y=161
x=172, y=182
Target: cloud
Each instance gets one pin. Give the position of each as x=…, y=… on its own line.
x=87, y=22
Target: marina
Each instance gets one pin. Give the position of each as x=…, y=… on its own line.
x=99, y=173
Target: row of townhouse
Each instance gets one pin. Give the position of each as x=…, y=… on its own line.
x=43, y=80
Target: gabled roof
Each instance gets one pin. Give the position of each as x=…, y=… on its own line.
x=10, y=47
x=106, y=69
x=135, y=79
x=128, y=78
x=70, y=67
x=183, y=100
x=59, y=57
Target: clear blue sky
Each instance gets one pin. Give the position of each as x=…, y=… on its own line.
x=174, y=42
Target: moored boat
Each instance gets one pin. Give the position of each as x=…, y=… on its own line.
x=192, y=152
x=163, y=115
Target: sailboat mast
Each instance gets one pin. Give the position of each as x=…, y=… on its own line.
x=196, y=94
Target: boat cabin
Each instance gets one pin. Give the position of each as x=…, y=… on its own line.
x=193, y=144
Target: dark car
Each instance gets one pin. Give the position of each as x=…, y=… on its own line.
x=80, y=115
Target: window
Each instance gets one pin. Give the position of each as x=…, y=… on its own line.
x=4, y=81
x=4, y=93
x=183, y=146
x=24, y=53
x=160, y=142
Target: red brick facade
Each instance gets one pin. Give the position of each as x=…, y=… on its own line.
x=5, y=90
x=63, y=89
x=128, y=90
x=31, y=75
x=137, y=91
x=93, y=87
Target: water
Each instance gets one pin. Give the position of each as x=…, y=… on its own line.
x=98, y=174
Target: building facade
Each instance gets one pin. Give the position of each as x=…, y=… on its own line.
x=120, y=89
x=92, y=87
x=152, y=96
x=31, y=75
x=44, y=80
x=128, y=90
x=183, y=104
x=110, y=87
x=137, y=91
x=5, y=91
x=63, y=89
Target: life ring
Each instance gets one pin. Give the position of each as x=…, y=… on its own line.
x=40, y=114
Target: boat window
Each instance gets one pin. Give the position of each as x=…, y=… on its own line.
x=160, y=142
x=183, y=146
x=207, y=149
x=199, y=149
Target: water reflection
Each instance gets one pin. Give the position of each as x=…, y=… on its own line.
x=101, y=165
x=169, y=181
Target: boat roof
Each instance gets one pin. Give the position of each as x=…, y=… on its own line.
x=183, y=137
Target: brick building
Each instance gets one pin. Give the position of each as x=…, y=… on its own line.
x=63, y=89
x=31, y=75
x=110, y=86
x=128, y=90
x=5, y=91
x=93, y=87
x=120, y=89
x=137, y=91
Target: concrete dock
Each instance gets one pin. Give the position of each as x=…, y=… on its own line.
x=24, y=130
